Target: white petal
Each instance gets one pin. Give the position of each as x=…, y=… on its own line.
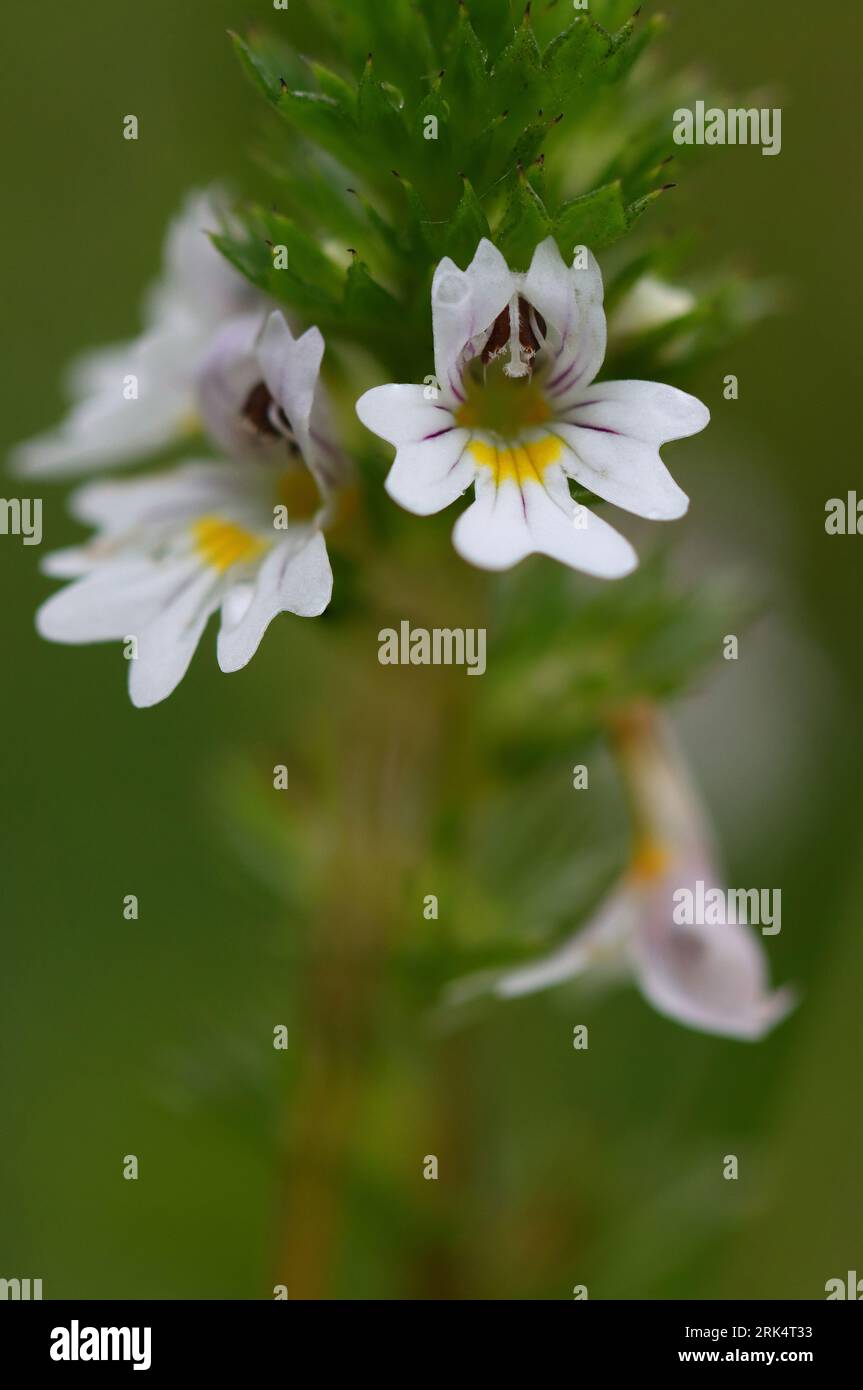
x=602, y=939
x=570, y=301
x=195, y=274
x=174, y=496
x=110, y=602
x=645, y=410
x=427, y=477
x=227, y=373
x=508, y=522
x=291, y=367
x=198, y=289
x=613, y=434
x=626, y=472
x=431, y=468
x=465, y=304
x=401, y=414
x=167, y=643
x=712, y=978
x=106, y=429
x=292, y=579
x=69, y=563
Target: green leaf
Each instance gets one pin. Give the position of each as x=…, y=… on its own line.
x=628, y=44
x=524, y=225
x=531, y=140
x=423, y=236
x=310, y=279
x=640, y=206
x=467, y=227
x=256, y=70
x=366, y=300
x=322, y=120
x=572, y=57
x=595, y=220
x=267, y=63
x=381, y=127
x=316, y=191
x=336, y=88
x=465, y=83
x=518, y=78
x=492, y=20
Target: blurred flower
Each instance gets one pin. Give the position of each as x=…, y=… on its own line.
x=244, y=536
x=650, y=304
x=712, y=978
x=136, y=398
x=519, y=413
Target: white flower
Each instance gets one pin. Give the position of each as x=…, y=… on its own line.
x=711, y=978
x=134, y=399
x=244, y=536
x=651, y=303
x=519, y=433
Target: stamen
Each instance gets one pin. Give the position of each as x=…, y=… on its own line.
x=520, y=330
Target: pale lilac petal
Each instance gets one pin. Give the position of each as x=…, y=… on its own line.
x=291, y=368
x=601, y=941
x=711, y=978
x=227, y=374
x=570, y=301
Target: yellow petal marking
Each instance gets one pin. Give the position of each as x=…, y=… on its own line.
x=650, y=861
x=523, y=463
x=221, y=543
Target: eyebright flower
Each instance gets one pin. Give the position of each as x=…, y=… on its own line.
x=519, y=413
x=244, y=535
x=709, y=977
x=134, y=399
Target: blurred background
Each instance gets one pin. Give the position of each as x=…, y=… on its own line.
x=153, y=1037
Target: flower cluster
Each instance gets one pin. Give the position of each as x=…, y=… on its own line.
x=517, y=413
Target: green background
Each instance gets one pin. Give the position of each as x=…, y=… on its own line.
x=557, y=1168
